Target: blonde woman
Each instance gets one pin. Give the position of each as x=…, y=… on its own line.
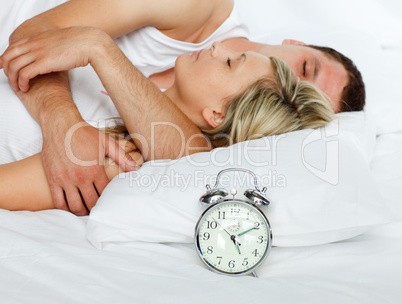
x=231, y=95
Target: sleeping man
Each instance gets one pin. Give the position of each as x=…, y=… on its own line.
x=160, y=31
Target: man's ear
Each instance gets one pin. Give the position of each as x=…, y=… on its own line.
x=292, y=42
x=212, y=117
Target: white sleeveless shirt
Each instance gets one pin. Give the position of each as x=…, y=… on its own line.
x=153, y=52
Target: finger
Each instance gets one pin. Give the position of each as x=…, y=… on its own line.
x=119, y=155
x=89, y=196
x=83, y=200
x=101, y=183
x=20, y=70
x=1, y=62
x=75, y=202
x=58, y=198
x=14, y=51
x=97, y=192
x=35, y=66
x=25, y=75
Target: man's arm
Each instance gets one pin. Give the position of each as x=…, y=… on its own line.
x=177, y=18
x=49, y=100
x=74, y=187
x=164, y=132
x=50, y=103
x=160, y=133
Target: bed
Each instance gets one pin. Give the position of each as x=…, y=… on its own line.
x=337, y=229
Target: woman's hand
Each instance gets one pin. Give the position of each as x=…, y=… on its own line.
x=50, y=51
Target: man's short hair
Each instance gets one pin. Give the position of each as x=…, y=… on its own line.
x=354, y=94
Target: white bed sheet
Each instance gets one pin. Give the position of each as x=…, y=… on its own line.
x=45, y=257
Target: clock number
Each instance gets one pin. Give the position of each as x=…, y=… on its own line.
x=212, y=225
x=223, y=214
x=235, y=210
x=255, y=252
x=220, y=259
x=260, y=239
x=206, y=236
x=231, y=264
x=245, y=262
x=210, y=250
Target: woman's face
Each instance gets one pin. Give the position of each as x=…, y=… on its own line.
x=207, y=78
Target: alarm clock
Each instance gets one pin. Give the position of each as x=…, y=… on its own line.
x=233, y=236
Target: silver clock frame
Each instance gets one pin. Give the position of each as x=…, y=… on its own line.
x=197, y=242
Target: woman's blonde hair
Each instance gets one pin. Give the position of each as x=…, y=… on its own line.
x=272, y=107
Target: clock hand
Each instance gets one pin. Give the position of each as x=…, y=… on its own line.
x=244, y=232
x=222, y=227
x=232, y=237
x=237, y=244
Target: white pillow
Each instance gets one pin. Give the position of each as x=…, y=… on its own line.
x=318, y=181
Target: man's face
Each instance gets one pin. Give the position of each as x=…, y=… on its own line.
x=314, y=66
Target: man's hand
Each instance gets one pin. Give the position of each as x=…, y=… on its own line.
x=73, y=160
x=73, y=152
x=50, y=51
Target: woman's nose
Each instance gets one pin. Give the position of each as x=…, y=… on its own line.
x=218, y=49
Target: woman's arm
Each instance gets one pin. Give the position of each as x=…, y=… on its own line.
x=23, y=184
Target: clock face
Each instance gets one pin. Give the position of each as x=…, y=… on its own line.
x=233, y=237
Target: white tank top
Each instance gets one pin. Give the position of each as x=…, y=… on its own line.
x=153, y=52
